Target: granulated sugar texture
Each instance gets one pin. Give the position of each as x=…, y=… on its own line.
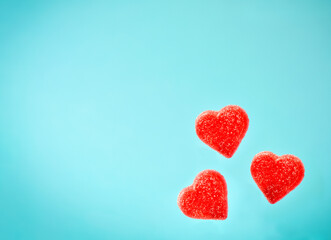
x=223, y=130
x=206, y=198
x=276, y=176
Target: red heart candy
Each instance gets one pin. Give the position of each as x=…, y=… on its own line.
x=223, y=130
x=276, y=176
x=206, y=198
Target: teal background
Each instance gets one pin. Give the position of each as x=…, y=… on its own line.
x=97, y=107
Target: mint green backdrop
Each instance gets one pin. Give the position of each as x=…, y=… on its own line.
x=97, y=107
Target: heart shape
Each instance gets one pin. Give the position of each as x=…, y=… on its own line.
x=206, y=198
x=223, y=130
x=276, y=176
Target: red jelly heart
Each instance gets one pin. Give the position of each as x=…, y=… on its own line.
x=206, y=198
x=276, y=176
x=223, y=130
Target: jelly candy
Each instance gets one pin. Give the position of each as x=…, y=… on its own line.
x=276, y=176
x=222, y=130
x=206, y=198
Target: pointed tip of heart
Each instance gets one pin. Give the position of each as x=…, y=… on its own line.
x=228, y=154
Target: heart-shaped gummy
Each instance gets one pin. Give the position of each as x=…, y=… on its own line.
x=223, y=130
x=206, y=198
x=276, y=176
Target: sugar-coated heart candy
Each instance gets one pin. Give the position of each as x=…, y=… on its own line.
x=276, y=176
x=206, y=198
x=222, y=130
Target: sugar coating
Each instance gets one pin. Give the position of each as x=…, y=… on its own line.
x=223, y=130
x=276, y=176
x=206, y=198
